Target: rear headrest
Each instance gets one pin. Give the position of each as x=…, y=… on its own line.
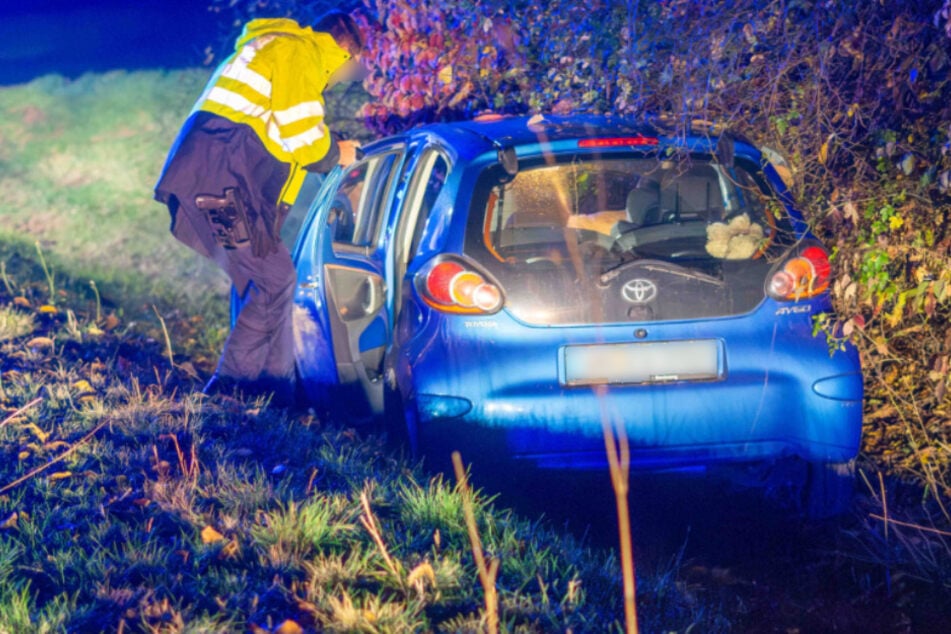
x=698, y=193
x=640, y=201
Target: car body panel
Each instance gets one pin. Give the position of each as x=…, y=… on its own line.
x=500, y=384
x=509, y=374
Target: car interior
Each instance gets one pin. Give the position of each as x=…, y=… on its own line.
x=603, y=221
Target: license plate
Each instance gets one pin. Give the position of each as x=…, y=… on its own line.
x=653, y=362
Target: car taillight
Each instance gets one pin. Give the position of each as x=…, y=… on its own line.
x=801, y=277
x=452, y=287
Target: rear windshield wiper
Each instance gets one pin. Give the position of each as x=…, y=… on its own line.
x=657, y=265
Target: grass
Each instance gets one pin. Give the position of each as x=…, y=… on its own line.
x=14, y=323
x=131, y=503
x=77, y=163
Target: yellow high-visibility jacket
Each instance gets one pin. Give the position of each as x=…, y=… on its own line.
x=273, y=82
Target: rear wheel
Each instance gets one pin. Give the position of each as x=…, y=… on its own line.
x=828, y=489
x=813, y=490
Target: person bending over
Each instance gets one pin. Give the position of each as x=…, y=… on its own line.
x=236, y=168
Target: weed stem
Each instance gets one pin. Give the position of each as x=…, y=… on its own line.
x=487, y=574
x=43, y=467
x=47, y=272
x=12, y=416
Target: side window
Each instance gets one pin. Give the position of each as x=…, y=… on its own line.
x=357, y=206
x=427, y=183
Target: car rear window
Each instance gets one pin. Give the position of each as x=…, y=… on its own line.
x=582, y=218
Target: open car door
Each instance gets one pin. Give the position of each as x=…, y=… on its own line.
x=340, y=316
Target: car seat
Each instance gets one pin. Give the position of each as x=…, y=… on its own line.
x=643, y=204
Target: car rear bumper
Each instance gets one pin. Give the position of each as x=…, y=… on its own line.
x=782, y=394
x=666, y=426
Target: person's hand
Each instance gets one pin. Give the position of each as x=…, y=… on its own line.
x=349, y=152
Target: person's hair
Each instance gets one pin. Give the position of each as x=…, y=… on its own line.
x=343, y=29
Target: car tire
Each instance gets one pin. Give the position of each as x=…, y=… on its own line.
x=828, y=489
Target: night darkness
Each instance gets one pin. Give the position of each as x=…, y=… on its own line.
x=71, y=38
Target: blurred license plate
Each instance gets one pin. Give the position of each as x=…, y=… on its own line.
x=654, y=362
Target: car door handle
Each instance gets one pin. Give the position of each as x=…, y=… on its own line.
x=307, y=285
x=375, y=293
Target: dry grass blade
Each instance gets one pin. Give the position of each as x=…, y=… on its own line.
x=188, y=466
x=487, y=574
x=168, y=338
x=619, y=461
x=368, y=519
x=919, y=527
x=881, y=487
x=33, y=403
x=55, y=460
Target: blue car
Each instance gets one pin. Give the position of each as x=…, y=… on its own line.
x=507, y=284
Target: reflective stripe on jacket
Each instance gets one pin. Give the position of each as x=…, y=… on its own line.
x=273, y=82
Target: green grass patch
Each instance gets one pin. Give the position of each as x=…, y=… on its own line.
x=129, y=502
x=78, y=160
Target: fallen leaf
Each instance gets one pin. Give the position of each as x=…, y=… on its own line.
x=85, y=392
x=41, y=435
x=23, y=455
x=881, y=346
x=908, y=164
x=48, y=309
x=60, y=475
x=421, y=574
x=288, y=627
x=82, y=385
x=231, y=550
x=94, y=330
x=111, y=322
x=40, y=342
x=11, y=521
x=188, y=368
x=22, y=302
x=209, y=535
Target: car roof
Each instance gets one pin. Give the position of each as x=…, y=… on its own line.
x=488, y=132
x=516, y=131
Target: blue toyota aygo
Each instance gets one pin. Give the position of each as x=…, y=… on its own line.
x=506, y=285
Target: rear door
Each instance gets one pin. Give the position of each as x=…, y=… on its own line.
x=341, y=318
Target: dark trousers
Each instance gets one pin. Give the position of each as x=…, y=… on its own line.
x=258, y=354
x=211, y=156
x=260, y=348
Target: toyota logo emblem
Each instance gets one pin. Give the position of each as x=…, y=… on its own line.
x=639, y=291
